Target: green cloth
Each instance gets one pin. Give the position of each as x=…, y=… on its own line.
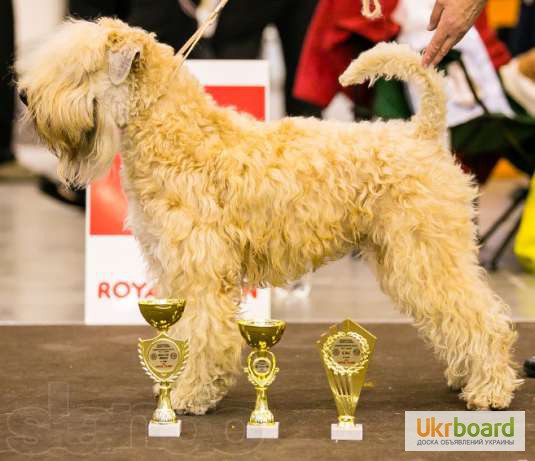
x=488, y=134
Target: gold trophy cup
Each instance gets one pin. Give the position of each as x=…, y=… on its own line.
x=163, y=358
x=261, y=370
x=345, y=351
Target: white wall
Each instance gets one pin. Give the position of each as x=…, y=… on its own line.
x=34, y=19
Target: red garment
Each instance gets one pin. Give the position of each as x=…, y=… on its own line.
x=329, y=48
x=498, y=52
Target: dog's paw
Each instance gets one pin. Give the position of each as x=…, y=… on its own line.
x=197, y=400
x=184, y=406
x=456, y=383
x=494, y=394
x=488, y=403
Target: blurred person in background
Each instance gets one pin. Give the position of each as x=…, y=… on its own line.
x=163, y=17
x=10, y=169
x=523, y=40
x=238, y=34
x=523, y=36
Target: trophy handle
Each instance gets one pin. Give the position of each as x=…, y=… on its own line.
x=261, y=368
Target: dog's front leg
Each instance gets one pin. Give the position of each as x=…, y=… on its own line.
x=209, y=324
x=203, y=270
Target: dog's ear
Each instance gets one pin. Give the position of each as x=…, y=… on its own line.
x=120, y=62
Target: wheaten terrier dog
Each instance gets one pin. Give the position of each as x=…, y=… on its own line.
x=216, y=196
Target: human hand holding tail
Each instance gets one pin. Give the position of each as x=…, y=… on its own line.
x=450, y=20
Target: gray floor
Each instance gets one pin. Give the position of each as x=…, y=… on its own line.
x=81, y=395
x=42, y=264
x=41, y=257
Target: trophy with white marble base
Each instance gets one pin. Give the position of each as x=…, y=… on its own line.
x=261, y=370
x=345, y=351
x=163, y=358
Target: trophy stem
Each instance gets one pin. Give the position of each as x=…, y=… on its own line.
x=346, y=421
x=261, y=413
x=164, y=413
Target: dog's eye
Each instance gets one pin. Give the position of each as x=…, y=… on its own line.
x=89, y=134
x=94, y=112
x=23, y=97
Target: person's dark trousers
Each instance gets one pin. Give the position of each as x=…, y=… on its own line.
x=239, y=36
x=523, y=37
x=92, y=9
x=7, y=89
x=163, y=17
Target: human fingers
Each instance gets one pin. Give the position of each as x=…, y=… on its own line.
x=435, y=45
x=446, y=47
x=435, y=16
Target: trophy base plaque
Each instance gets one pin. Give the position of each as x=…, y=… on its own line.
x=258, y=431
x=165, y=430
x=346, y=433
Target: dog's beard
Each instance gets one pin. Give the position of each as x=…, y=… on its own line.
x=92, y=157
x=81, y=134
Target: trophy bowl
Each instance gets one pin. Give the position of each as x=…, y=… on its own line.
x=162, y=313
x=261, y=334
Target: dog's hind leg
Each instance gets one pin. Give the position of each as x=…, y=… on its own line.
x=210, y=286
x=427, y=262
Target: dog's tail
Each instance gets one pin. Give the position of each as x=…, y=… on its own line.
x=392, y=60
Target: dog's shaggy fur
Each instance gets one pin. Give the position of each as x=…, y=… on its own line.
x=216, y=196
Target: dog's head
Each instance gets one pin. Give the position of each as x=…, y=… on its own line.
x=82, y=84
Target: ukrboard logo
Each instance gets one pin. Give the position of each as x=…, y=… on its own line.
x=464, y=431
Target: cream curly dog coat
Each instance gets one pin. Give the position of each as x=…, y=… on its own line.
x=216, y=196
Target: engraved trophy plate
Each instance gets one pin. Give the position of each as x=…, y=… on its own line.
x=261, y=371
x=345, y=351
x=163, y=358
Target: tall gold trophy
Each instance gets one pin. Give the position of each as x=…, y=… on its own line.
x=261, y=370
x=163, y=358
x=346, y=350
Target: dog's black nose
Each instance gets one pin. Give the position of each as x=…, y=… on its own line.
x=23, y=97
